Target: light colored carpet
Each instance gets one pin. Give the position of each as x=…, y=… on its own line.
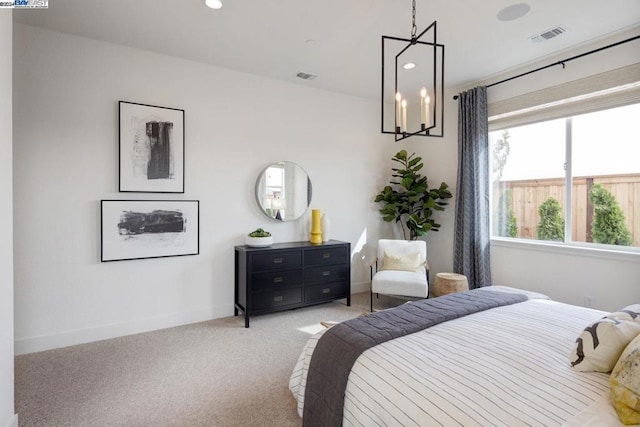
x=214, y=373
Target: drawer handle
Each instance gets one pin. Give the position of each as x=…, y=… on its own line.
x=325, y=256
x=278, y=299
x=277, y=260
x=326, y=290
x=326, y=273
x=278, y=279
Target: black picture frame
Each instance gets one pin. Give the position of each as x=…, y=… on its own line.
x=151, y=148
x=141, y=229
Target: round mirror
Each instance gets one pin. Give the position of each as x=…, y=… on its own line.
x=283, y=191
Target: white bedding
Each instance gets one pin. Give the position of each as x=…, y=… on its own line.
x=507, y=366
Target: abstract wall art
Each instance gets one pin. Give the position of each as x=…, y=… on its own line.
x=151, y=148
x=137, y=229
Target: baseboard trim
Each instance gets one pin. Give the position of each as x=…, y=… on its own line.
x=360, y=287
x=13, y=421
x=97, y=333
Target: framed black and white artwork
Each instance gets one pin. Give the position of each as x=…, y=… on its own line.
x=137, y=229
x=151, y=148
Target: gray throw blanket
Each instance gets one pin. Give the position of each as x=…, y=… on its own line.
x=339, y=347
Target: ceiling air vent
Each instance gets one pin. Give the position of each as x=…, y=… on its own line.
x=305, y=76
x=549, y=34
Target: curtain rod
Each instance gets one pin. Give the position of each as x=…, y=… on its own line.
x=562, y=62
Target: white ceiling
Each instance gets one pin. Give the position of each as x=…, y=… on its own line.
x=269, y=37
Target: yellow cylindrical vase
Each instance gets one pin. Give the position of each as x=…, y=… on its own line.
x=316, y=227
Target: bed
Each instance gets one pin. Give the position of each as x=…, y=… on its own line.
x=506, y=366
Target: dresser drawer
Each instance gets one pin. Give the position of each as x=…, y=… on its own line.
x=277, y=279
x=290, y=275
x=326, y=291
x=325, y=274
x=276, y=298
x=324, y=256
x=277, y=260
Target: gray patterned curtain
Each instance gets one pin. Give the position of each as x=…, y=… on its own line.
x=471, y=245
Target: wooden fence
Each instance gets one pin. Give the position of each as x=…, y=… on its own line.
x=528, y=195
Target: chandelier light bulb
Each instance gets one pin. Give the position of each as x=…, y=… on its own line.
x=398, y=110
x=404, y=115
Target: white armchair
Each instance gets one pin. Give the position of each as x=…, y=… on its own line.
x=400, y=268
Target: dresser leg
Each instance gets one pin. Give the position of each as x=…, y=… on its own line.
x=349, y=301
x=246, y=320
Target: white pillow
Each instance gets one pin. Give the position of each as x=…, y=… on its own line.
x=409, y=262
x=600, y=345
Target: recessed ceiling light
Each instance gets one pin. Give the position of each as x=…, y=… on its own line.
x=409, y=65
x=213, y=4
x=514, y=11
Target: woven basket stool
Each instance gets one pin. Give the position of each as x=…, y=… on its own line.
x=448, y=283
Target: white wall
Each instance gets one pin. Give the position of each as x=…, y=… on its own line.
x=611, y=282
x=440, y=157
x=7, y=417
x=66, y=146
x=565, y=275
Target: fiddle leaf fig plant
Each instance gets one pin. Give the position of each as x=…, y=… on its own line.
x=408, y=199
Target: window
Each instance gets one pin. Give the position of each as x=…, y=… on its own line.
x=597, y=153
x=272, y=191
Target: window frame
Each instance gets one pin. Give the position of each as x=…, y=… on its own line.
x=594, y=250
x=568, y=245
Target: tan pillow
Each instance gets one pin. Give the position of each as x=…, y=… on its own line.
x=625, y=384
x=409, y=262
x=599, y=346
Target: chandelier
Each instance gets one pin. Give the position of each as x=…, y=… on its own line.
x=412, y=97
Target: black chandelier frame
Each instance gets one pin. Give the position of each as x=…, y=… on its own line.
x=438, y=102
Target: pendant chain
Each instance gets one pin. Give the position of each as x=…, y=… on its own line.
x=414, y=30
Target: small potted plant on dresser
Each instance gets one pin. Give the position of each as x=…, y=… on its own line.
x=259, y=239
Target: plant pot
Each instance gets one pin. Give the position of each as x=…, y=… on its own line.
x=258, y=242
